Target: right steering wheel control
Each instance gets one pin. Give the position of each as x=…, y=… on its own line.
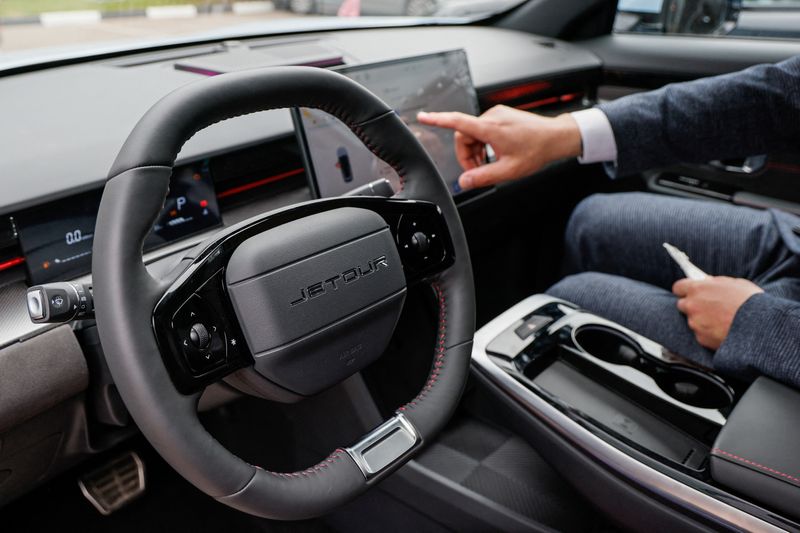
x=419, y=240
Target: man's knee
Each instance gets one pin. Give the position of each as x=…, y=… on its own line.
x=597, y=214
x=584, y=217
x=576, y=287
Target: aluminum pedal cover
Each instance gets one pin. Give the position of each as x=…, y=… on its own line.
x=114, y=484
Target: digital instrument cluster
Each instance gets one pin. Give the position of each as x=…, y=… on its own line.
x=57, y=237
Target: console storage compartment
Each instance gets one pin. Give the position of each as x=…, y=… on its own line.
x=757, y=453
x=623, y=384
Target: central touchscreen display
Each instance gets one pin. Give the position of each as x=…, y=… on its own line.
x=57, y=237
x=339, y=162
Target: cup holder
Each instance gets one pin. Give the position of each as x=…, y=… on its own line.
x=609, y=345
x=687, y=385
x=694, y=387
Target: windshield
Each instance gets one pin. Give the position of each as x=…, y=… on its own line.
x=87, y=25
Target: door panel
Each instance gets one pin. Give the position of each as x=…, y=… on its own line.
x=635, y=62
x=663, y=58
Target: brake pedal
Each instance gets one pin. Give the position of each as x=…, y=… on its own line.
x=115, y=484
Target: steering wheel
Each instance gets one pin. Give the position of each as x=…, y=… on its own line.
x=283, y=305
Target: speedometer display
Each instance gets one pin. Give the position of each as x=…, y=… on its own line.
x=57, y=237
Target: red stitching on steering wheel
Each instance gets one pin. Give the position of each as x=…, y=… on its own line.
x=316, y=469
x=441, y=351
x=356, y=128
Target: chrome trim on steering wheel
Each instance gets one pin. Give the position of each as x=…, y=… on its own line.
x=384, y=445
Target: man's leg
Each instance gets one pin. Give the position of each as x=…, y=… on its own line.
x=648, y=310
x=622, y=234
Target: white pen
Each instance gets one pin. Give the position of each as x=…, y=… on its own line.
x=690, y=269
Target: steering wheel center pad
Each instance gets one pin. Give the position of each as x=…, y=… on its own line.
x=126, y=294
x=318, y=298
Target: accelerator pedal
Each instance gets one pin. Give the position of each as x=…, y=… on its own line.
x=114, y=484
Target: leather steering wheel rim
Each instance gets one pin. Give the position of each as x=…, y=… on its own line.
x=126, y=294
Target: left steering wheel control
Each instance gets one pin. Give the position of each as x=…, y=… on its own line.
x=201, y=334
x=57, y=303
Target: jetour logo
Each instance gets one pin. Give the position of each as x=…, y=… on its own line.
x=342, y=279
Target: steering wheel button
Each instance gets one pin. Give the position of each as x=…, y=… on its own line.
x=199, y=336
x=188, y=314
x=420, y=242
x=201, y=361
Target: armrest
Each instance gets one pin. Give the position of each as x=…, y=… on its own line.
x=757, y=453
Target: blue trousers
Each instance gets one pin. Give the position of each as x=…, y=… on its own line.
x=619, y=270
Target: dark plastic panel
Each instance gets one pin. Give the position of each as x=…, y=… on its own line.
x=620, y=415
x=683, y=57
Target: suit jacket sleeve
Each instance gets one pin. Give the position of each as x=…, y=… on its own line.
x=751, y=112
x=748, y=351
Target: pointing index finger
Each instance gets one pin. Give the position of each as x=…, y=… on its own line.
x=455, y=120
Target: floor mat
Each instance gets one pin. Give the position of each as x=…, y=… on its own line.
x=170, y=504
x=505, y=469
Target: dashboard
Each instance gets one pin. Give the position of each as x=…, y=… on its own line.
x=55, y=238
x=248, y=164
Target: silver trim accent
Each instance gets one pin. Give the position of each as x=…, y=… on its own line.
x=128, y=497
x=384, y=445
x=623, y=465
x=35, y=304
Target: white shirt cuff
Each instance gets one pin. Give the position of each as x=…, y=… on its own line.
x=597, y=136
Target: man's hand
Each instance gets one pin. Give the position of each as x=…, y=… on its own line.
x=711, y=304
x=523, y=142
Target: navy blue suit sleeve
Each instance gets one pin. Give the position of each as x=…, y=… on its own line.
x=751, y=112
x=763, y=340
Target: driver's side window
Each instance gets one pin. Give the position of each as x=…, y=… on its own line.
x=723, y=18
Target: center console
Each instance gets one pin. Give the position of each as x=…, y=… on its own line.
x=649, y=416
